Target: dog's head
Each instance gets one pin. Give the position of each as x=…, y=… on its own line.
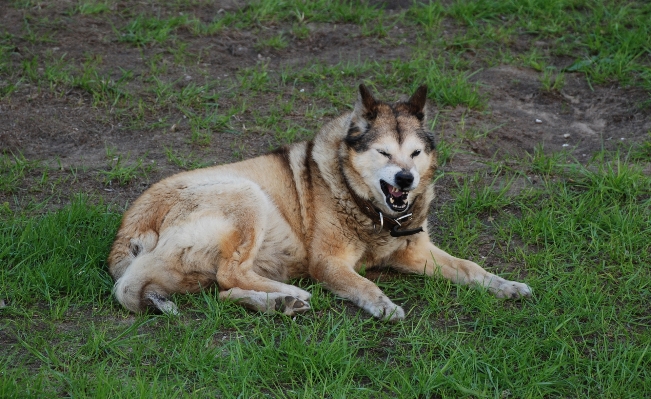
x=390, y=150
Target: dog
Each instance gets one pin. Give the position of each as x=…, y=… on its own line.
x=355, y=196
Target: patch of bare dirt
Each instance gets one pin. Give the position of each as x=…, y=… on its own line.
x=578, y=117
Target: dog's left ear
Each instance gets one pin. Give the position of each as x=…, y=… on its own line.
x=417, y=102
x=416, y=105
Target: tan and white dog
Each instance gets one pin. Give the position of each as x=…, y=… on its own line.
x=357, y=195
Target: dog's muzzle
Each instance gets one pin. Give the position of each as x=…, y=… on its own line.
x=395, y=197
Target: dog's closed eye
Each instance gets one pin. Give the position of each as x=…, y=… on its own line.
x=386, y=154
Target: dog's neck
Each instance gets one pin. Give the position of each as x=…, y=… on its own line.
x=382, y=221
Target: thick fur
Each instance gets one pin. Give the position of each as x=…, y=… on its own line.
x=252, y=225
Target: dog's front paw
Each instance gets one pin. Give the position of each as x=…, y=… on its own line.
x=511, y=289
x=386, y=310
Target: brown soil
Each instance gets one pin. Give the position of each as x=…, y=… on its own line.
x=65, y=132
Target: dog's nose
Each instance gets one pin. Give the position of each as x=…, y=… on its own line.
x=404, y=179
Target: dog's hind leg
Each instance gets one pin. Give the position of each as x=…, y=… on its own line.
x=236, y=270
x=267, y=302
x=239, y=282
x=239, y=249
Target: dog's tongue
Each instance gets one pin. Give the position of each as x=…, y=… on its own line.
x=394, y=191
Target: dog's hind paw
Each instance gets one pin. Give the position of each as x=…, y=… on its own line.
x=290, y=305
x=298, y=293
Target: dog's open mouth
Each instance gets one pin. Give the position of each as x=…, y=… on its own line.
x=396, y=199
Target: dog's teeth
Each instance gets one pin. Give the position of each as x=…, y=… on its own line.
x=391, y=200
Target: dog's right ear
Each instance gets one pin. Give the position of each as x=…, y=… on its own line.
x=366, y=106
x=364, y=114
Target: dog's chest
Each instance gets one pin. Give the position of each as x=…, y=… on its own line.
x=379, y=249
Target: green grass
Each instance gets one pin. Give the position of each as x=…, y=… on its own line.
x=91, y=7
x=608, y=40
x=642, y=152
x=188, y=162
x=277, y=42
x=57, y=256
x=13, y=169
x=121, y=171
x=551, y=81
x=145, y=30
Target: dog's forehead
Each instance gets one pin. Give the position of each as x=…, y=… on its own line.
x=412, y=142
x=408, y=122
x=396, y=120
x=390, y=115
